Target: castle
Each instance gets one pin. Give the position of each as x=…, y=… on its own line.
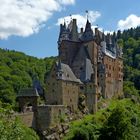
x=89, y=63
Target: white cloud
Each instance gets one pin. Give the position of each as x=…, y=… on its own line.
x=131, y=21
x=81, y=18
x=25, y=17
x=67, y=2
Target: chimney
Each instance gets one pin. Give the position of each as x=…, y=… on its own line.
x=81, y=30
x=74, y=22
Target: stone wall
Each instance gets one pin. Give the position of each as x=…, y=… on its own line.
x=53, y=96
x=60, y=92
x=27, y=118
x=119, y=75
x=91, y=97
x=48, y=115
x=114, y=76
x=67, y=51
x=70, y=92
x=93, y=51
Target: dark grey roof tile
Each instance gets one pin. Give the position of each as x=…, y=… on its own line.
x=28, y=92
x=67, y=74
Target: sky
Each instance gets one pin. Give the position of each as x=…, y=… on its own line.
x=32, y=26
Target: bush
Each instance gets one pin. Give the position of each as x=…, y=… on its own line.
x=120, y=121
x=11, y=128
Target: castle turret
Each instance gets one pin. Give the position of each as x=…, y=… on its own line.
x=88, y=33
x=59, y=71
x=74, y=31
x=64, y=33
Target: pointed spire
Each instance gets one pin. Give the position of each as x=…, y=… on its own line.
x=88, y=26
x=87, y=14
x=59, y=64
x=88, y=33
x=64, y=24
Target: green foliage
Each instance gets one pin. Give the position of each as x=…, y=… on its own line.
x=119, y=125
x=130, y=42
x=129, y=88
x=80, y=134
x=123, y=122
x=11, y=128
x=17, y=71
x=120, y=121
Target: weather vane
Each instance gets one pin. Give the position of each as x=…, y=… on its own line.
x=87, y=14
x=70, y=16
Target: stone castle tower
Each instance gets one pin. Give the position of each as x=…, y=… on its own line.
x=94, y=58
x=90, y=64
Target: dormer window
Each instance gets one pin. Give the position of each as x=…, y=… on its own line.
x=59, y=74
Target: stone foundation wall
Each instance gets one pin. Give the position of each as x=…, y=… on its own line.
x=27, y=118
x=48, y=115
x=70, y=95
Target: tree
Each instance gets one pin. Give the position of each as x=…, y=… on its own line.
x=122, y=124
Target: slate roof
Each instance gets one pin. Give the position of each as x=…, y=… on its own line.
x=87, y=71
x=82, y=53
x=28, y=92
x=67, y=74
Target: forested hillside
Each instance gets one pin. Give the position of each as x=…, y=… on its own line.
x=129, y=40
x=17, y=71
